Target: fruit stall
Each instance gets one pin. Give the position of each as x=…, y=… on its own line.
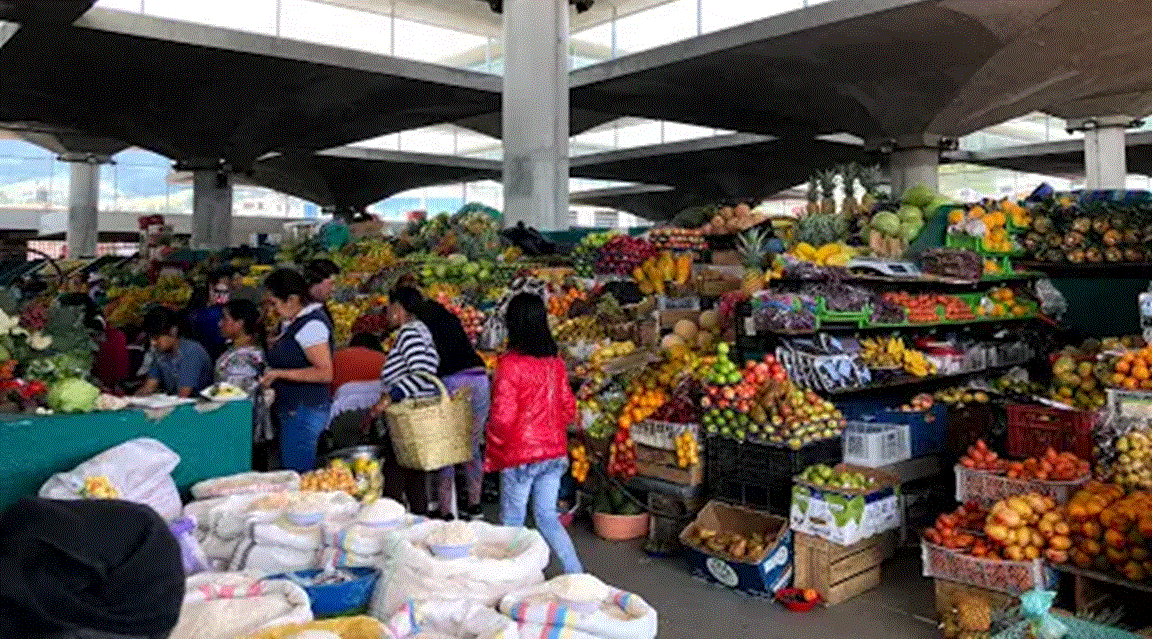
x=817, y=392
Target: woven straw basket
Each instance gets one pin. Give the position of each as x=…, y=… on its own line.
x=432, y=432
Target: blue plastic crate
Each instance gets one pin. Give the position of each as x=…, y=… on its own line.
x=337, y=600
x=927, y=431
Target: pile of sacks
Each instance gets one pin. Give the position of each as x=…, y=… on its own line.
x=362, y=542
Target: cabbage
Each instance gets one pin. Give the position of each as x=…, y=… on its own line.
x=886, y=222
x=909, y=214
x=935, y=205
x=72, y=395
x=918, y=195
x=911, y=230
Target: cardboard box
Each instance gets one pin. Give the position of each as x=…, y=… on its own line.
x=727, y=258
x=762, y=575
x=846, y=516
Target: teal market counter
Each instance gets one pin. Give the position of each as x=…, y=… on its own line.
x=35, y=447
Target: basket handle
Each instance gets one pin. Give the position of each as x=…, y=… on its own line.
x=445, y=396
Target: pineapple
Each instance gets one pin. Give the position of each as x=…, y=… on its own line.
x=848, y=174
x=869, y=179
x=752, y=245
x=827, y=180
x=813, y=207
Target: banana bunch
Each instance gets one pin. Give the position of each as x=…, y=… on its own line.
x=891, y=352
x=832, y=254
x=580, y=328
x=656, y=271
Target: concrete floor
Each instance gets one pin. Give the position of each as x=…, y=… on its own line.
x=901, y=608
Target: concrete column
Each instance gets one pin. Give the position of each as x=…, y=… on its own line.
x=535, y=113
x=83, y=202
x=1105, y=150
x=914, y=166
x=211, y=209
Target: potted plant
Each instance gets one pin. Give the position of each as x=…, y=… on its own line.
x=617, y=516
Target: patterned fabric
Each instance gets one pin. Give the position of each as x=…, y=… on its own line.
x=240, y=367
x=414, y=352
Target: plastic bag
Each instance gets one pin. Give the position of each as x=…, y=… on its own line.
x=600, y=612
x=247, y=483
x=191, y=554
x=504, y=560
x=452, y=619
x=1052, y=302
x=139, y=470
x=268, y=559
x=229, y=605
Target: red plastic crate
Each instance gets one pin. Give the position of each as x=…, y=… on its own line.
x=1033, y=429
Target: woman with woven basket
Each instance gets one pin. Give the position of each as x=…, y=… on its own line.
x=532, y=406
x=411, y=363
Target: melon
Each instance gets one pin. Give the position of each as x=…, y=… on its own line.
x=704, y=340
x=709, y=320
x=686, y=329
x=671, y=341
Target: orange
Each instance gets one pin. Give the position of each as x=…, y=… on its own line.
x=1118, y=379
x=1140, y=371
x=1130, y=383
x=1123, y=366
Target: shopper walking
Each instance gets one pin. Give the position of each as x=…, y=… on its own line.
x=300, y=368
x=411, y=360
x=532, y=406
x=460, y=367
x=179, y=365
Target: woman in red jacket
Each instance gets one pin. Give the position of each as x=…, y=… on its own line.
x=532, y=405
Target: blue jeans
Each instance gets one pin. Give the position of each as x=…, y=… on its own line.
x=300, y=428
x=542, y=481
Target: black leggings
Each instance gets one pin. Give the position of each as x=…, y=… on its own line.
x=400, y=482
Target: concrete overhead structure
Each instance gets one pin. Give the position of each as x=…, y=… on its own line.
x=1065, y=158
x=735, y=167
x=351, y=178
x=889, y=70
x=189, y=91
x=84, y=154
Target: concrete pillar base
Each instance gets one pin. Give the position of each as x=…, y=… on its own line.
x=211, y=209
x=83, y=203
x=1105, y=150
x=916, y=166
x=535, y=113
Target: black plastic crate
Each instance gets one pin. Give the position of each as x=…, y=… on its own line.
x=752, y=462
x=774, y=497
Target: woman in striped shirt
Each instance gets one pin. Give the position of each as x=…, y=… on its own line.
x=411, y=360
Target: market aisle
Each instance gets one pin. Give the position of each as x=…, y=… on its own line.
x=690, y=609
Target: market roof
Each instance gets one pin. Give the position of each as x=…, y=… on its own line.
x=43, y=11
x=738, y=166
x=1064, y=158
x=889, y=68
x=355, y=177
x=194, y=92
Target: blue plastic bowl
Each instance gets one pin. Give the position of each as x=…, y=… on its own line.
x=455, y=551
x=337, y=600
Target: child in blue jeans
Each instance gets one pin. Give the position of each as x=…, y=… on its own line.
x=532, y=405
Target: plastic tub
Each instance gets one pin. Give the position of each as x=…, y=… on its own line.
x=337, y=600
x=620, y=527
x=793, y=599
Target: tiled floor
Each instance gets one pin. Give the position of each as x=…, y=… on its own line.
x=901, y=608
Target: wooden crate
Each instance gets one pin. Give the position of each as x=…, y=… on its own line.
x=947, y=592
x=671, y=473
x=838, y=572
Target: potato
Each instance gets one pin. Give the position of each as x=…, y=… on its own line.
x=1060, y=543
